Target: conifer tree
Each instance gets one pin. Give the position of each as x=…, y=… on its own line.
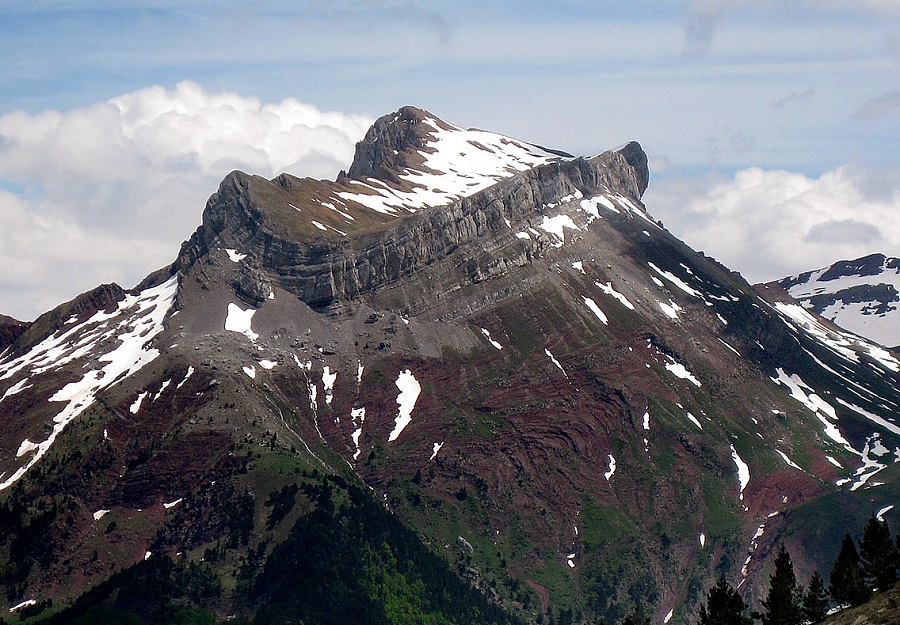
x=815, y=601
x=846, y=583
x=724, y=606
x=636, y=617
x=878, y=555
x=783, y=602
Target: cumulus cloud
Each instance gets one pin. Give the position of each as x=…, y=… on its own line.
x=108, y=192
x=769, y=224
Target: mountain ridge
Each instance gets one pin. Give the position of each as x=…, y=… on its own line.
x=519, y=375
x=860, y=295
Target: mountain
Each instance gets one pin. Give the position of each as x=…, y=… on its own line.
x=860, y=295
x=470, y=380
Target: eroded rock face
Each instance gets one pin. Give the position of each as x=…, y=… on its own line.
x=325, y=270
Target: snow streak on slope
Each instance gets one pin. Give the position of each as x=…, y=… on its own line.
x=406, y=401
x=119, y=339
x=846, y=345
x=862, y=295
x=743, y=471
x=456, y=163
x=851, y=348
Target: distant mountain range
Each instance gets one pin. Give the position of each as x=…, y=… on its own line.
x=860, y=295
x=471, y=380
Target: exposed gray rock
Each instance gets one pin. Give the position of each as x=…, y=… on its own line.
x=326, y=270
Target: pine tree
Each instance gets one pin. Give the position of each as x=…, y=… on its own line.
x=636, y=617
x=878, y=555
x=846, y=583
x=724, y=606
x=783, y=602
x=815, y=601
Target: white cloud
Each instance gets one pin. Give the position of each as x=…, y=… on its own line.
x=769, y=224
x=108, y=192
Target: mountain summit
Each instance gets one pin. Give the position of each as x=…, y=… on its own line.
x=470, y=380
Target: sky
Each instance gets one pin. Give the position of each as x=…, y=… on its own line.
x=772, y=127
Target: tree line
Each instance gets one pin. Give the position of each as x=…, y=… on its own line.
x=855, y=575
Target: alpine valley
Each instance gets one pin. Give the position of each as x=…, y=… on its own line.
x=471, y=380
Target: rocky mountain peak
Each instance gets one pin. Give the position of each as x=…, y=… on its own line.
x=636, y=157
x=382, y=151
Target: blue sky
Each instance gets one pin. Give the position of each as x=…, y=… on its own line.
x=768, y=123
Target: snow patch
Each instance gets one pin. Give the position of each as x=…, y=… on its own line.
x=136, y=405
x=823, y=411
x=556, y=362
x=874, y=418
x=596, y=310
x=680, y=371
x=609, y=290
x=18, y=387
x=729, y=346
x=435, y=450
x=556, y=225
x=235, y=256
x=671, y=309
x=406, y=400
x=787, y=460
x=592, y=205
x=328, y=379
x=456, y=163
x=743, y=471
x=694, y=420
x=23, y=604
x=612, y=468
x=190, y=372
x=358, y=416
x=490, y=340
x=676, y=281
x=239, y=320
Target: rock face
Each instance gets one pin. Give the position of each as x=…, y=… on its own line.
x=10, y=330
x=861, y=295
x=327, y=270
x=495, y=341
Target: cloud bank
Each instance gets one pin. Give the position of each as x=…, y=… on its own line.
x=108, y=192
x=769, y=224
